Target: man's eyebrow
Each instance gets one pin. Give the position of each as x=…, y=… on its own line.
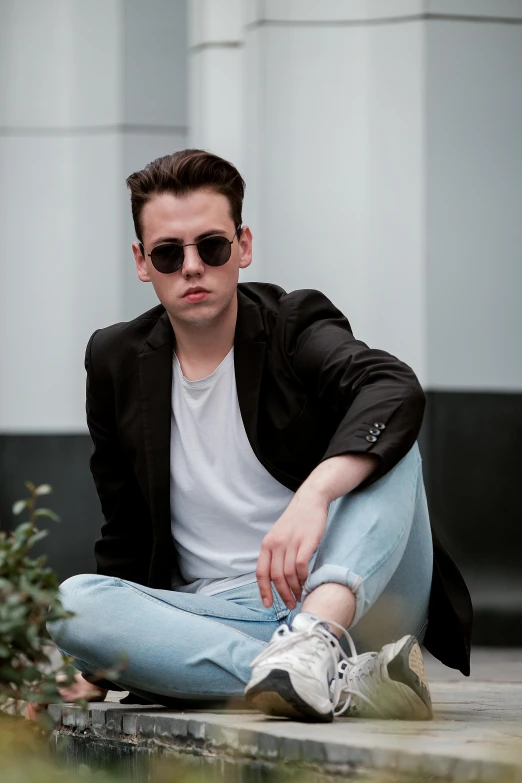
x=212, y=233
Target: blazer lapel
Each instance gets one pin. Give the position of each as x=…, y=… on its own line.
x=155, y=373
x=249, y=359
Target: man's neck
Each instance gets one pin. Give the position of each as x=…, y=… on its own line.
x=200, y=349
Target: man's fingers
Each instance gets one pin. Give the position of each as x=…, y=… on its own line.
x=278, y=578
x=290, y=572
x=302, y=564
x=263, y=576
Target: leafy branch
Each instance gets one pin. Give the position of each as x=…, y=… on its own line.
x=29, y=598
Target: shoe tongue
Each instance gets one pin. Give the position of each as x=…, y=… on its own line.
x=304, y=620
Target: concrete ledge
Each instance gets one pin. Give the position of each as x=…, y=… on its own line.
x=476, y=735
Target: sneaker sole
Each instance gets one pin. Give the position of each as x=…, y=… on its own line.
x=407, y=668
x=275, y=695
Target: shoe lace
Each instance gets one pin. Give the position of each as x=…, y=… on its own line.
x=286, y=638
x=363, y=668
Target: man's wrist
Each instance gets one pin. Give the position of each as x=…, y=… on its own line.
x=336, y=477
x=314, y=492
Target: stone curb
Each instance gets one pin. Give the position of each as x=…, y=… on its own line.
x=188, y=733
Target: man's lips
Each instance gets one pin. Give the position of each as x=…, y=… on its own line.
x=196, y=294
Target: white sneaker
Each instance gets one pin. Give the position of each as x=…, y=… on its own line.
x=293, y=675
x=389, y=684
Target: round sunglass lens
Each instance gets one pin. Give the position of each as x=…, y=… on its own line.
x=214, y=251
x=167, y=258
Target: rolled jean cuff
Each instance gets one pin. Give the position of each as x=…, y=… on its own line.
x=342, y=576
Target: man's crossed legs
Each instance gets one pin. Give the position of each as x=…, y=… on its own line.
x=183, y=646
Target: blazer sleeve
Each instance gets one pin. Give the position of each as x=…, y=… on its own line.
x=125, y=545
x=362, y=388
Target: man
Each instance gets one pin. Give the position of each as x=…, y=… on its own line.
x=261, y=484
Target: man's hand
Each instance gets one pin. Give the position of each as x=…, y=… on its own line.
x=287, y=549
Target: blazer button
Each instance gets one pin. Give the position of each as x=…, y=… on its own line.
x=374, y=432
x=371, y=438
x=379, y=425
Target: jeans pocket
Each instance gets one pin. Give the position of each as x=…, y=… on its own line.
x=248, y=597
x=281, y=610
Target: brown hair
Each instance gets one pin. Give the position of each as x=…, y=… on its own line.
x=181, y=173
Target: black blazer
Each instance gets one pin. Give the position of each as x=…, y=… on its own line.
x=307, y=390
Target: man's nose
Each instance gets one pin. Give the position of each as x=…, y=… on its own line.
x=192, y=263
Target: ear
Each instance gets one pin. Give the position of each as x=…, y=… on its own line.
x=141, y=262
x=245, y=248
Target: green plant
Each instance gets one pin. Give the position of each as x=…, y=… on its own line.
x=29, y=597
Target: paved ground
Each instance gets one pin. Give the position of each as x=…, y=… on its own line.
x=476, y=734
x=488, y=664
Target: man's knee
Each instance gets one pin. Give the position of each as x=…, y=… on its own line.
x=80, y=594
x=80, y=589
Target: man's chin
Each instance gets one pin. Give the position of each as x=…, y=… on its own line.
x=199, y=318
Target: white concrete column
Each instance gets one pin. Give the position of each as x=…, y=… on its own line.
x=216, y=70
x=60, y=200
x=474, y=193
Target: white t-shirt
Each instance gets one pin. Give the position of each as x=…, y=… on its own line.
x=223, y=501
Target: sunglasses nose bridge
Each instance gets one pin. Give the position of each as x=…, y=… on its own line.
x=191, y=257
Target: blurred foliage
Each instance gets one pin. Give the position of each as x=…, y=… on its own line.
x=26, y=755
x=28, y=599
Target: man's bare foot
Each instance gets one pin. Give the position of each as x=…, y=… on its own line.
x=78, y=689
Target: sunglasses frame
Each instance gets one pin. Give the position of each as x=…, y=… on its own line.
x=191, y=244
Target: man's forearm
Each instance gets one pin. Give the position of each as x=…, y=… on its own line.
x=337, y=476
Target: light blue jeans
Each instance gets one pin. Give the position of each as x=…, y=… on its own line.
x=189, y=646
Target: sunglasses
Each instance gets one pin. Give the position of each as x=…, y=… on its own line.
x=169, y=257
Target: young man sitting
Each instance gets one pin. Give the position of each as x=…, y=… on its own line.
x=266, y=528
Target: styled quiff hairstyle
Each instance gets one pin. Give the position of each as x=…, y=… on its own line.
x=182, y=173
